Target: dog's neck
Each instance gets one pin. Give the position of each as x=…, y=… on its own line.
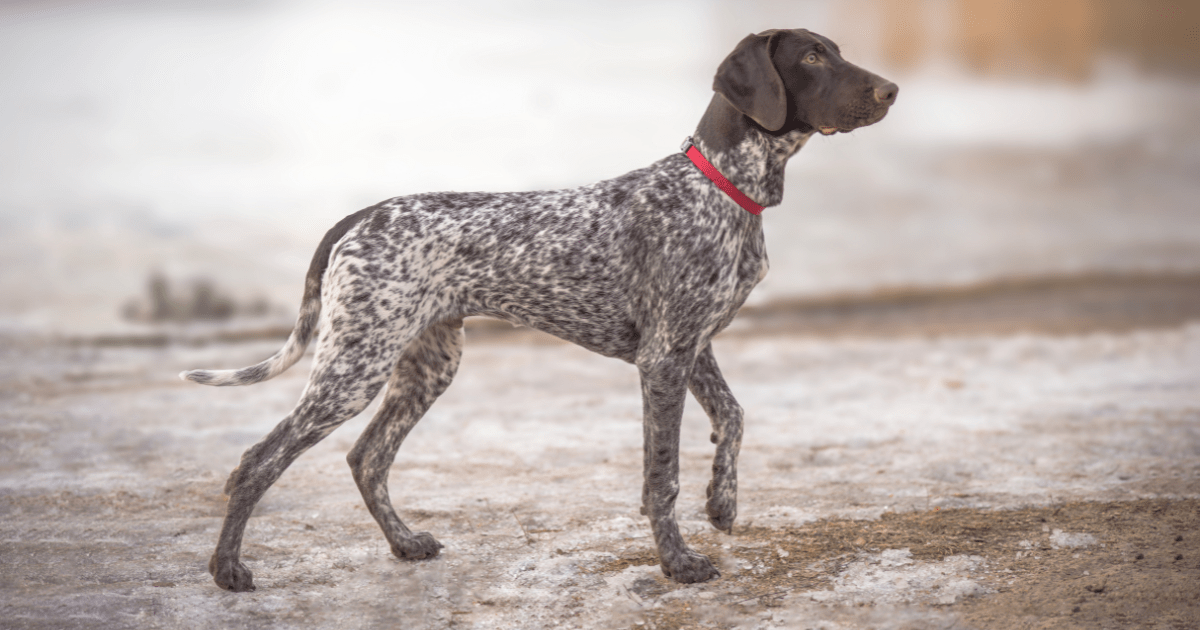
x=750, y=157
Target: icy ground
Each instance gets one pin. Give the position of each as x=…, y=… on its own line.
x=528, y=470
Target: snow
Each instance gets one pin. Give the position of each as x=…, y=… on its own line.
x=528, y=470
x=892, y=578
x=1065, y=540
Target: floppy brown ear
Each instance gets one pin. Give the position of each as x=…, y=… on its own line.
x=749, y=81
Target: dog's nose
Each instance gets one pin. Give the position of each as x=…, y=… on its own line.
x=886, y=94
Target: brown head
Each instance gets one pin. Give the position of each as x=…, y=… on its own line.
x=786, y=80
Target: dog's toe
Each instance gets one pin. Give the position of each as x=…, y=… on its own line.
x=721, y=509
x=419, y=546
x=231, y=575
x=691, y=567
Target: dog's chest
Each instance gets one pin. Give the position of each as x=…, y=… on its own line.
x=748, y=267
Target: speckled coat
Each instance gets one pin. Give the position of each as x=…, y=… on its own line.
x=646, y=267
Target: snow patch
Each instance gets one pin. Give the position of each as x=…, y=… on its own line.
x=1064, y=540
x=893, y=577
x=624, y=527
x=781, y=515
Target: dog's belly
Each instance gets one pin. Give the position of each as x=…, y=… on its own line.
x=598, y=316
x=616, y=337
x=594, y=314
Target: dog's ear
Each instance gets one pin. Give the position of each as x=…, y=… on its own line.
x=750, y=82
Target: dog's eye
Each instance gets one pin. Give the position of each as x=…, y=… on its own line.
x=811, y=58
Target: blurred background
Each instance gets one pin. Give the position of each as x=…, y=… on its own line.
x=179, y=160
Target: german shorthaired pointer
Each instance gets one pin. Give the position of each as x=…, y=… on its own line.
x=646, y=267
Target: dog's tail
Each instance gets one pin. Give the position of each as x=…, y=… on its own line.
x=306, y=323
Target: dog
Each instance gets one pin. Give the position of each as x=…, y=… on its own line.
x=646, y=268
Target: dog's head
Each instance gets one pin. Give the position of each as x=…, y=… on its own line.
x=794, y=79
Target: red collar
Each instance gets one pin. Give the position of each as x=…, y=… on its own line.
x=717, y=178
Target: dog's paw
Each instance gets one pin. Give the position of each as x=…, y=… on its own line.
x=231, y=576
x=690, y=567
x=418, y=546
x=721, y=509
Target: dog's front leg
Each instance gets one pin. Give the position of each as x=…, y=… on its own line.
x=664, y=386
x=710, y=390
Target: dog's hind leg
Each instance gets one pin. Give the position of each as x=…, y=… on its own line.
x=709, y=389
x=423, y=372
x=351, y=366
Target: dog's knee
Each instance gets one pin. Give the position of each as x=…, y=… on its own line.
x=355, y=460
x=359, y=460
x=366, y=465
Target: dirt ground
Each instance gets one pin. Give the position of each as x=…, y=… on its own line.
x=1137, y=568
x=904, y=471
